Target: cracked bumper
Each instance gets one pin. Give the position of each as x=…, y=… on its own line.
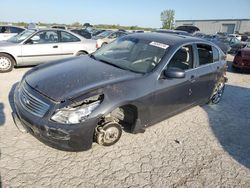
x=77, y=137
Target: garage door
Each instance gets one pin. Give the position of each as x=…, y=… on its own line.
x=228, y=28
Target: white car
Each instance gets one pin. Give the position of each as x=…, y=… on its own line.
x=7, y=31
x=35, y=46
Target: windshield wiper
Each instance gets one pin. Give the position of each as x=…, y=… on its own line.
x=123, y=68
x=107, y=62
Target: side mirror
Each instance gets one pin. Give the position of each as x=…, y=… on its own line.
x=173, y=72
x=29, y=41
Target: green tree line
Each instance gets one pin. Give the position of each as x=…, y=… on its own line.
x=79, y=25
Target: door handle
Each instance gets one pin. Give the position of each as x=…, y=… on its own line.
x=192, y=78
x=55, y=46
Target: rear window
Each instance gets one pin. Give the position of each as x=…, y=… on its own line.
x=16, y=30
x=67, y=37
x=205, y=54
x=4, y=29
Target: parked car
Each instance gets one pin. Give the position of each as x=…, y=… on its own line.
x=59, y=27
x=7, y=31
x=188, y=28
x=84, y=33
x=236, y=36
x=200, y=35
x=139, y=31
x=235, y=44
x=33, y=47
x=107, y=37
x=97, y=32
x=131, y=83
x=178, y=32
x=242, y=59
x=216, y=39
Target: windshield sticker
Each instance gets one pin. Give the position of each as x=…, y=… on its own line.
x=159, y=45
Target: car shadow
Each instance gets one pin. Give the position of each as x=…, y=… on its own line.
x=230, y=122
x=2, y=115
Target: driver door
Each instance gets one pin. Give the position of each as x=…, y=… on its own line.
x=174, y=95
x=43, y=47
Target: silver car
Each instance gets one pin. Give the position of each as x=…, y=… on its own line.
x=35, y=46
x=7, y=31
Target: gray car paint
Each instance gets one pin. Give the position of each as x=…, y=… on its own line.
x=154, y=97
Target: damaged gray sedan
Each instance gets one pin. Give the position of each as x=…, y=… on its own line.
x=130, y=84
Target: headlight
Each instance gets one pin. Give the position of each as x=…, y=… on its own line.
x=74, y=115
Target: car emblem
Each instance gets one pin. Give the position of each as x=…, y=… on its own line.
x=26, y=101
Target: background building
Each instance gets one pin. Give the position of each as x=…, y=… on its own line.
x=221, y=25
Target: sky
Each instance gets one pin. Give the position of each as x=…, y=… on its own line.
x=145, y=13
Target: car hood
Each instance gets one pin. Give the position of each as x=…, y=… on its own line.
x=73, y=77
x=97, y=37
x=6, y=44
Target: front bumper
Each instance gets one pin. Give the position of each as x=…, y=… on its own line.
x=77, y=137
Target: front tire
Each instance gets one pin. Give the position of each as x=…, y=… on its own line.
x=6, y=63
x=108, y=134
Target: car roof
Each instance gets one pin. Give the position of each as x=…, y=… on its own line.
x=56, y=29
x=12, y=26
x=169, y=39
x=46, y=29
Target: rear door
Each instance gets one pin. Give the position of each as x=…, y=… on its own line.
x=43, y=47
x=206, y=66
x=70, y=44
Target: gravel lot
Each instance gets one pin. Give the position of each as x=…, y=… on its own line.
x=206, y=146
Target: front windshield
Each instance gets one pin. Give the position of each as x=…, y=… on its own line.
x=104, y=34
x=133, y=54
x=21, y=36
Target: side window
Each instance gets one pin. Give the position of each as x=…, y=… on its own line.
x=216, y=54
x=183, y=58
x=45, y=37
x=205, y=54
x=67, y=37
x=120, y=34
x=5, y=29
x=15, y=30
x=113, y=36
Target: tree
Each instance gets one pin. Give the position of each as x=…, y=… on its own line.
x=168, y=18
x=76, y=24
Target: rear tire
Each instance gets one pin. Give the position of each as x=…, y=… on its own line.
x=104, y=44
x=6, y=63
x=81, y=53
x=217, y=93
x=108, y=134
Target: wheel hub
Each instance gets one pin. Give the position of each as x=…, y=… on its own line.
x=218, y=93
x=111, y=134
x=5, y=63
